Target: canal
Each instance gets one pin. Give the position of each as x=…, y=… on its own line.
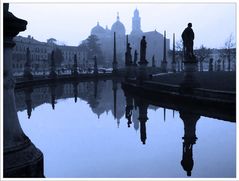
x=89, y=130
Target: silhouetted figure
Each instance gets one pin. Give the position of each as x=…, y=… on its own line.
x=143, y=46
x=135, y=57
x=188, y=37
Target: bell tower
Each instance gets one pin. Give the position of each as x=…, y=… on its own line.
x=136, y=23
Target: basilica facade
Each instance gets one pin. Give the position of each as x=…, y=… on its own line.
x=154, y=40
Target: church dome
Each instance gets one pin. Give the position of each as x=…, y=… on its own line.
x=98, y=30
x=118, y=27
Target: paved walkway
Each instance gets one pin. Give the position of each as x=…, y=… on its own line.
x=223, y=81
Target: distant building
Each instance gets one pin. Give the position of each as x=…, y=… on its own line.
x=154, y=40
x=40, y=54
x=38, y=51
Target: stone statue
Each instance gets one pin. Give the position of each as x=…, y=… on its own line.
x=188, y=37
x=128, y=56
x=143, y=46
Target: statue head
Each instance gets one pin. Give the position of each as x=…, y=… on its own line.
x=190, y=25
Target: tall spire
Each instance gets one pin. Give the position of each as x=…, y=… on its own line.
x=136, y=23
x=118, y=16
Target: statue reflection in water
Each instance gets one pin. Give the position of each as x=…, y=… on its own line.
x=142, y=109
x=28, y=100
x=189, y=138
x=189, y=119
x=53, y=95
x=128, y=109
x=75, y=90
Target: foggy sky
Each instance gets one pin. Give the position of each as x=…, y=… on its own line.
x=71, y=23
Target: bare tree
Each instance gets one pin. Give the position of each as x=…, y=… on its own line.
x=179, y=54
x=202, y=53
x=229, y=44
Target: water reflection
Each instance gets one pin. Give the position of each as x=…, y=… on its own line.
x=189, y=139
x=104, y=97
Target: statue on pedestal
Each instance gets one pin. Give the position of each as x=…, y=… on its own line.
x=128, y=56
x=143, y=46
x=188, y=37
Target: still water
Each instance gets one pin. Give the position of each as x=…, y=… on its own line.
x=82, y=131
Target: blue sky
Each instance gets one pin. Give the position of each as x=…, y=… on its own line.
x=72, y=22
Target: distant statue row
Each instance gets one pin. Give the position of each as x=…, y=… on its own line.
x=187, y=36
x=128, y=56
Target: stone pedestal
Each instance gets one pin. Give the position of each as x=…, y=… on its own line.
x=21, y=158
x=53, y=74
x=142, y=73
x=129, y=72
x=164, y=66
x=189, y=81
